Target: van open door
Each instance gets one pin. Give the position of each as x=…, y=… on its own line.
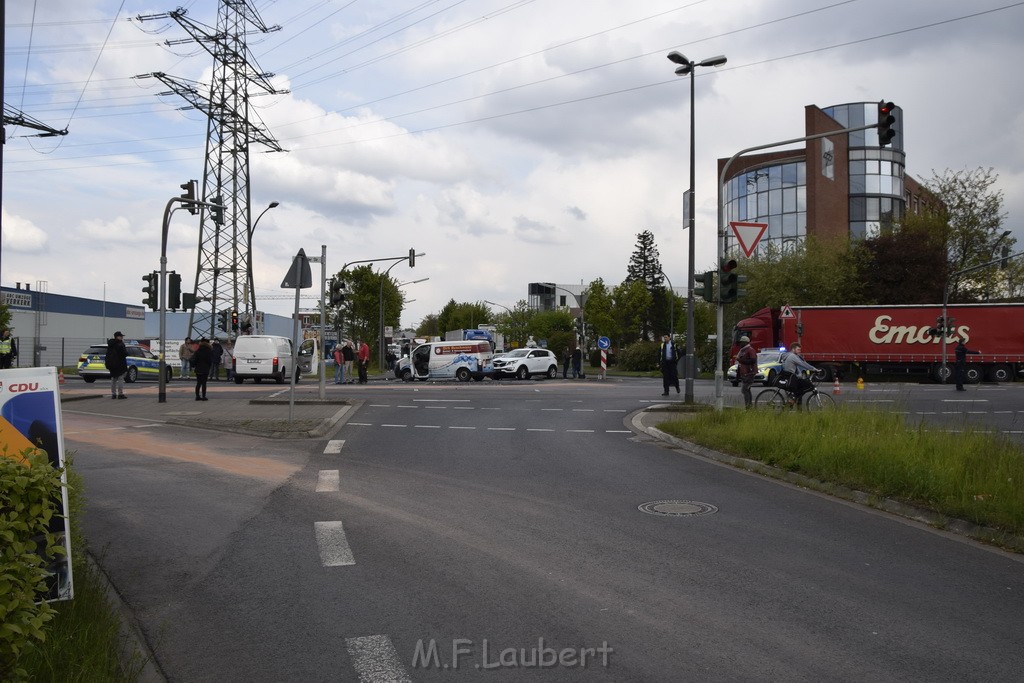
x=309, y=357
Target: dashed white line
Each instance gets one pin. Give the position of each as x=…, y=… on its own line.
x=334, y=549
x=463, y=408
x=501, y=429
x=551, y=410
x=427, y=426
x=334, y=446
x=580, y=431
x=582, y=410
x=533, y=429
x=328, y=480
x=376, y=660
x=390, y=425
x=451, y=427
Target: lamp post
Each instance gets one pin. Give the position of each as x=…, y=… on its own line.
x=411, y=259
x=251, y=279
x=687, y=67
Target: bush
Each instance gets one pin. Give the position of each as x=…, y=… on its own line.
x=640, y=357
x=29, y=504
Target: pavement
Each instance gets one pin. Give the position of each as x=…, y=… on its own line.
x=230, y=408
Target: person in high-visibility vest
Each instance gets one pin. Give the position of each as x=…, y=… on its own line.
x=8, y=349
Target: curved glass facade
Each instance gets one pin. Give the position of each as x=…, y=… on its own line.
x=776, y=193
x=876, y=173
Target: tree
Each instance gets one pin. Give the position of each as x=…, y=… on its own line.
x=632, y=304
x=645, y=266
x=463, y=316
x=599, y=310
x=358, y=317
x=428, y=327
x=973, y=216
x=906, y=264
x=515, y=325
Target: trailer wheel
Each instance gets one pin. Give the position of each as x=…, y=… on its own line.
x=999, y=373
x=824, y=374
x=940, y=374
x=973, y=373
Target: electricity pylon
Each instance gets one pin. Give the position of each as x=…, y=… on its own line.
x=222, y=269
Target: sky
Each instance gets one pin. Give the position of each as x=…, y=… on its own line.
x=509, y=141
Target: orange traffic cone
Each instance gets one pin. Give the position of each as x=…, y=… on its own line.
x=60, y=376
x=835, y=387
x=860, y=382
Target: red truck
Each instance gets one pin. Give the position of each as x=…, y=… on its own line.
x=870, y=340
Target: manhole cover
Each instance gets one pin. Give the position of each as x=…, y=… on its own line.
x=677, y=508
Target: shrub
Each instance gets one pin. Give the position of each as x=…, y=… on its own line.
x=641, y=356
x=29, y=504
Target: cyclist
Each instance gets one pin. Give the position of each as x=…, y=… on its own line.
x=795, y=365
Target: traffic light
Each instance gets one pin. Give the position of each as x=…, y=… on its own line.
x=173, y=291
x=412, y=257
x=217, y=212
x=704, y=286
x=151, y=289
x=886, y=117
x=234, y=321
x=222, y=320
x=730, y=282
x=189, y=197
x=338, y=292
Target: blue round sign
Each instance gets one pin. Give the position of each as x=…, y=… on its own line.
x=604, y=343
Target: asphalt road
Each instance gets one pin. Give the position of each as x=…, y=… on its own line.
x=493, y=531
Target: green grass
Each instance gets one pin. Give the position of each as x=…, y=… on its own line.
x=969, y=475
x=83, y=642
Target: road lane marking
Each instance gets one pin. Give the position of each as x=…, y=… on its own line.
x=451, y=427
x=442, y=400
x=390, y=425
x=328, y=480
x=427, y=426
x=533, y=429
x=334, y=549
x=376, y=660
x=580, y=431
x=501, y=429
x=334, y=446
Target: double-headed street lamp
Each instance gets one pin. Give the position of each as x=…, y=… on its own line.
x=688, y=67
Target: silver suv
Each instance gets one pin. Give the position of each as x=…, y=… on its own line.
x=524, y=363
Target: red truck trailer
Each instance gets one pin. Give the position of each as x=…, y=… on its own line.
x=872, y=340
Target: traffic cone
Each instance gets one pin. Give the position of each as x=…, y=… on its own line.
x=860, y=382
x=60, y=376
x=835, y=387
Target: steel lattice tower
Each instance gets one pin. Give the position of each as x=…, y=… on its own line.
x=223, y=263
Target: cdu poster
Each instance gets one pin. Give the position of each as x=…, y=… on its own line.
x=30, y=418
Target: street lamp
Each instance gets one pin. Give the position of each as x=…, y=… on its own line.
x=252, y=283
x=688, y=67
x=494, y=304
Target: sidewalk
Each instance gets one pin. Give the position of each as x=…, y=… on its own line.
x=228, y=410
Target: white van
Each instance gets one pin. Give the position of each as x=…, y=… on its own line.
x=460, y=360
x=265, y=356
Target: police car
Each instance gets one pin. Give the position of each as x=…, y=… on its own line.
x=769, y=365
x=142, y=364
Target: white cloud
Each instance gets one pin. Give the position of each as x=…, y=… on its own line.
x=529, y=145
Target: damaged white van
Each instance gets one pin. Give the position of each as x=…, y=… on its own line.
x=461, y=360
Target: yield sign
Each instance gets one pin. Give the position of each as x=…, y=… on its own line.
x=748, y=235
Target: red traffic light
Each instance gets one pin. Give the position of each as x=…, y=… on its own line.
x=728, y=264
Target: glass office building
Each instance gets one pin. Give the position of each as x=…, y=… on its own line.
x=841, y=186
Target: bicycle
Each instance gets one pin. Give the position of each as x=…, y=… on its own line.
x=779, y=398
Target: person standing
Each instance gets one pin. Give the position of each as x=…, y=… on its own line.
x=228, y=360
x=339, y=365
x=669, y=356
x=746, y=368
x=350, y=356
x=116, y=361
x=566, y=359
x=8, y=349
x=577, y=363
x=185, y=355
x=363, y=356
x=202, y=361
x=960, y=367
x=218, y=357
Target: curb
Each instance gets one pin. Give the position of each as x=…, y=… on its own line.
x=987, y=535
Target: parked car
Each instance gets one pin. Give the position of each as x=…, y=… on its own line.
x=769, y=365
x=142, y=364
x=524, y=363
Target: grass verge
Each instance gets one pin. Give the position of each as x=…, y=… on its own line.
x=968, y=475
x=83, y=641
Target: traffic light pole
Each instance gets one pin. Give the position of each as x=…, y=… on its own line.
x=720, y=317
x=187, y=203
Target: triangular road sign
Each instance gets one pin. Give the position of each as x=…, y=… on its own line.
x=748, y=235
x=787, y=312
x=299, y=275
